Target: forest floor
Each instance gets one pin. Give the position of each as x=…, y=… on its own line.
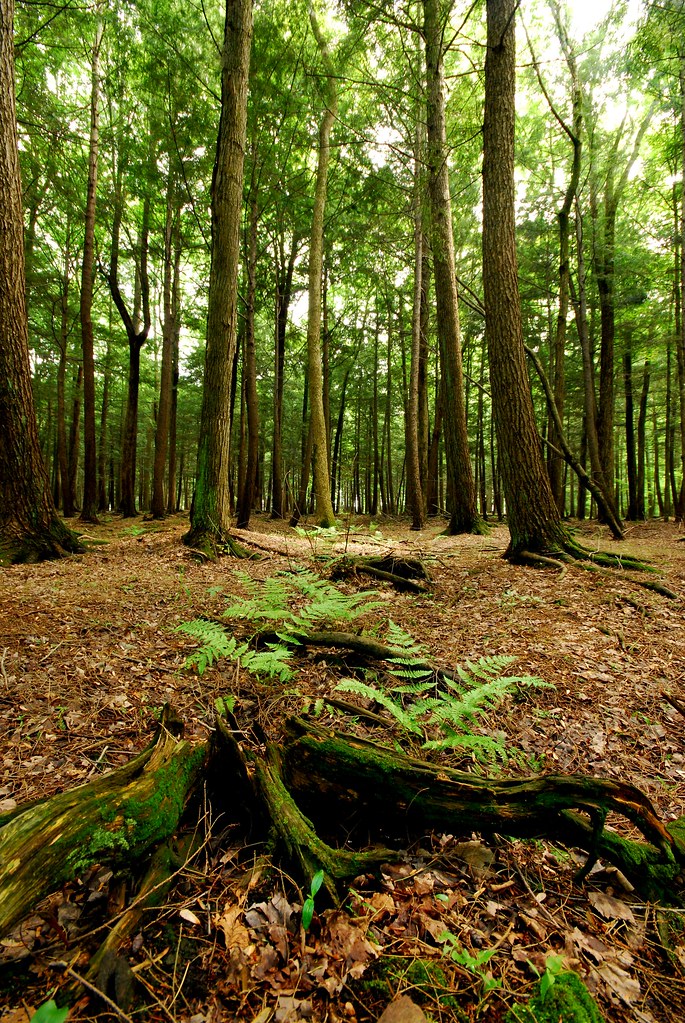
x=89, y=654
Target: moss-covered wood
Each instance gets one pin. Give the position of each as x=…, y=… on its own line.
x=566, y=999
x=328, y=771
x=114, y=819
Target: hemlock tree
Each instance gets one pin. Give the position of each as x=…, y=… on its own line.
x=210, y=513
x=322, y=486
x=30, y=529
x=534, y=521
x=461, y=488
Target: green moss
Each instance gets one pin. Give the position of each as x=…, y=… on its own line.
x=567, y=999
x=426, y=979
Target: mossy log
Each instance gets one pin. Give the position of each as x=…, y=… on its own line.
x=114, y=819
x=328, y=772
x=408, y=574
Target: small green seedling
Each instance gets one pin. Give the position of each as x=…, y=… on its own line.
x=308, y=908
x=474, y=963
x=554, y=965
x=224, y=705
x=49, y=1013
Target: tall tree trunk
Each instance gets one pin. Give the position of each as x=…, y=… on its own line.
x=62, y=450
x=30, y=529
x=75, y=433
x=247, y=496
x=642, y=444
x=159, y=503
x=137, y=337
x=534, y=522
x=89, y=505
x=463, y=510
x=322, y=485
x=284, y=287
x=103, y=440
x=210, y=514
x=173, y=502
x=415, y=493
x=631, y=460
x=387, y=431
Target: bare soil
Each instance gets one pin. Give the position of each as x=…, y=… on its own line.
x=89, y=654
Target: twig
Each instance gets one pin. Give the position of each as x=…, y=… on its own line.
x=61, y=965
x=675, y=702
x=2, y=665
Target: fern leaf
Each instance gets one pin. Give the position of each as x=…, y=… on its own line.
x=392, y=706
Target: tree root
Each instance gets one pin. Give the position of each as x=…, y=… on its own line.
x=541, y=559
x=114, y=819
x=208, y=546
x=379, y=784
x=403, y=573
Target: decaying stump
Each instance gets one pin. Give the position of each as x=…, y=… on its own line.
x=114, y=819
x=408, y=574
x=317, y=778
x=326, y=769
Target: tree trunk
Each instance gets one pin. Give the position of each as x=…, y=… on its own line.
x=322, y=486
x=642, y=444
x=415, y=494
x=173, y=502
x=89, y=505
x=463, y=511
x=534, y=522
x=210, y=513
x=246, y=498
x=284, y=286
x=631, y=460
x=68, y=500
x=159, y=503
x=30, y=529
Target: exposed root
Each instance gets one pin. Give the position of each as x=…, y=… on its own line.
x=546, y=562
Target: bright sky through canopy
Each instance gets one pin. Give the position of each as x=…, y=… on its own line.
x=586, y=14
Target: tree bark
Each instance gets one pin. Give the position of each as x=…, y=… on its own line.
x=247, y=495
x=30, y=529
x=463, y=510
x=210, y=513
x=159, y=503
x=322, y=486
x=534, y=521
x=114, y=819
x=89, y=505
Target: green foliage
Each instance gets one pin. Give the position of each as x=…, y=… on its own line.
x=49, y=1013
x=453, y=710
x=217, y=644
x=475, y=963
x=561, y=995
x=299, y=601
x=308, y=907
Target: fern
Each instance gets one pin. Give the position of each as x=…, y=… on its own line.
x=394, y=707
x=216, y=643
x=404, y=643
x=481, y=688
x=317, y=602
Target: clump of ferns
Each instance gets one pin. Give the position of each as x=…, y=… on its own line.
x=440, y=712
x=289, y=605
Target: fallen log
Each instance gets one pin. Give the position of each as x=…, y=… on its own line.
x=405, y=574
x=115, y=819
x=329, y=772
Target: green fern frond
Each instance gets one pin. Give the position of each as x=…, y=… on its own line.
x=392, y=706
x=484, y=746
x=404, y=643
x=216, y=643
x=272, y=662
x=484, y=668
